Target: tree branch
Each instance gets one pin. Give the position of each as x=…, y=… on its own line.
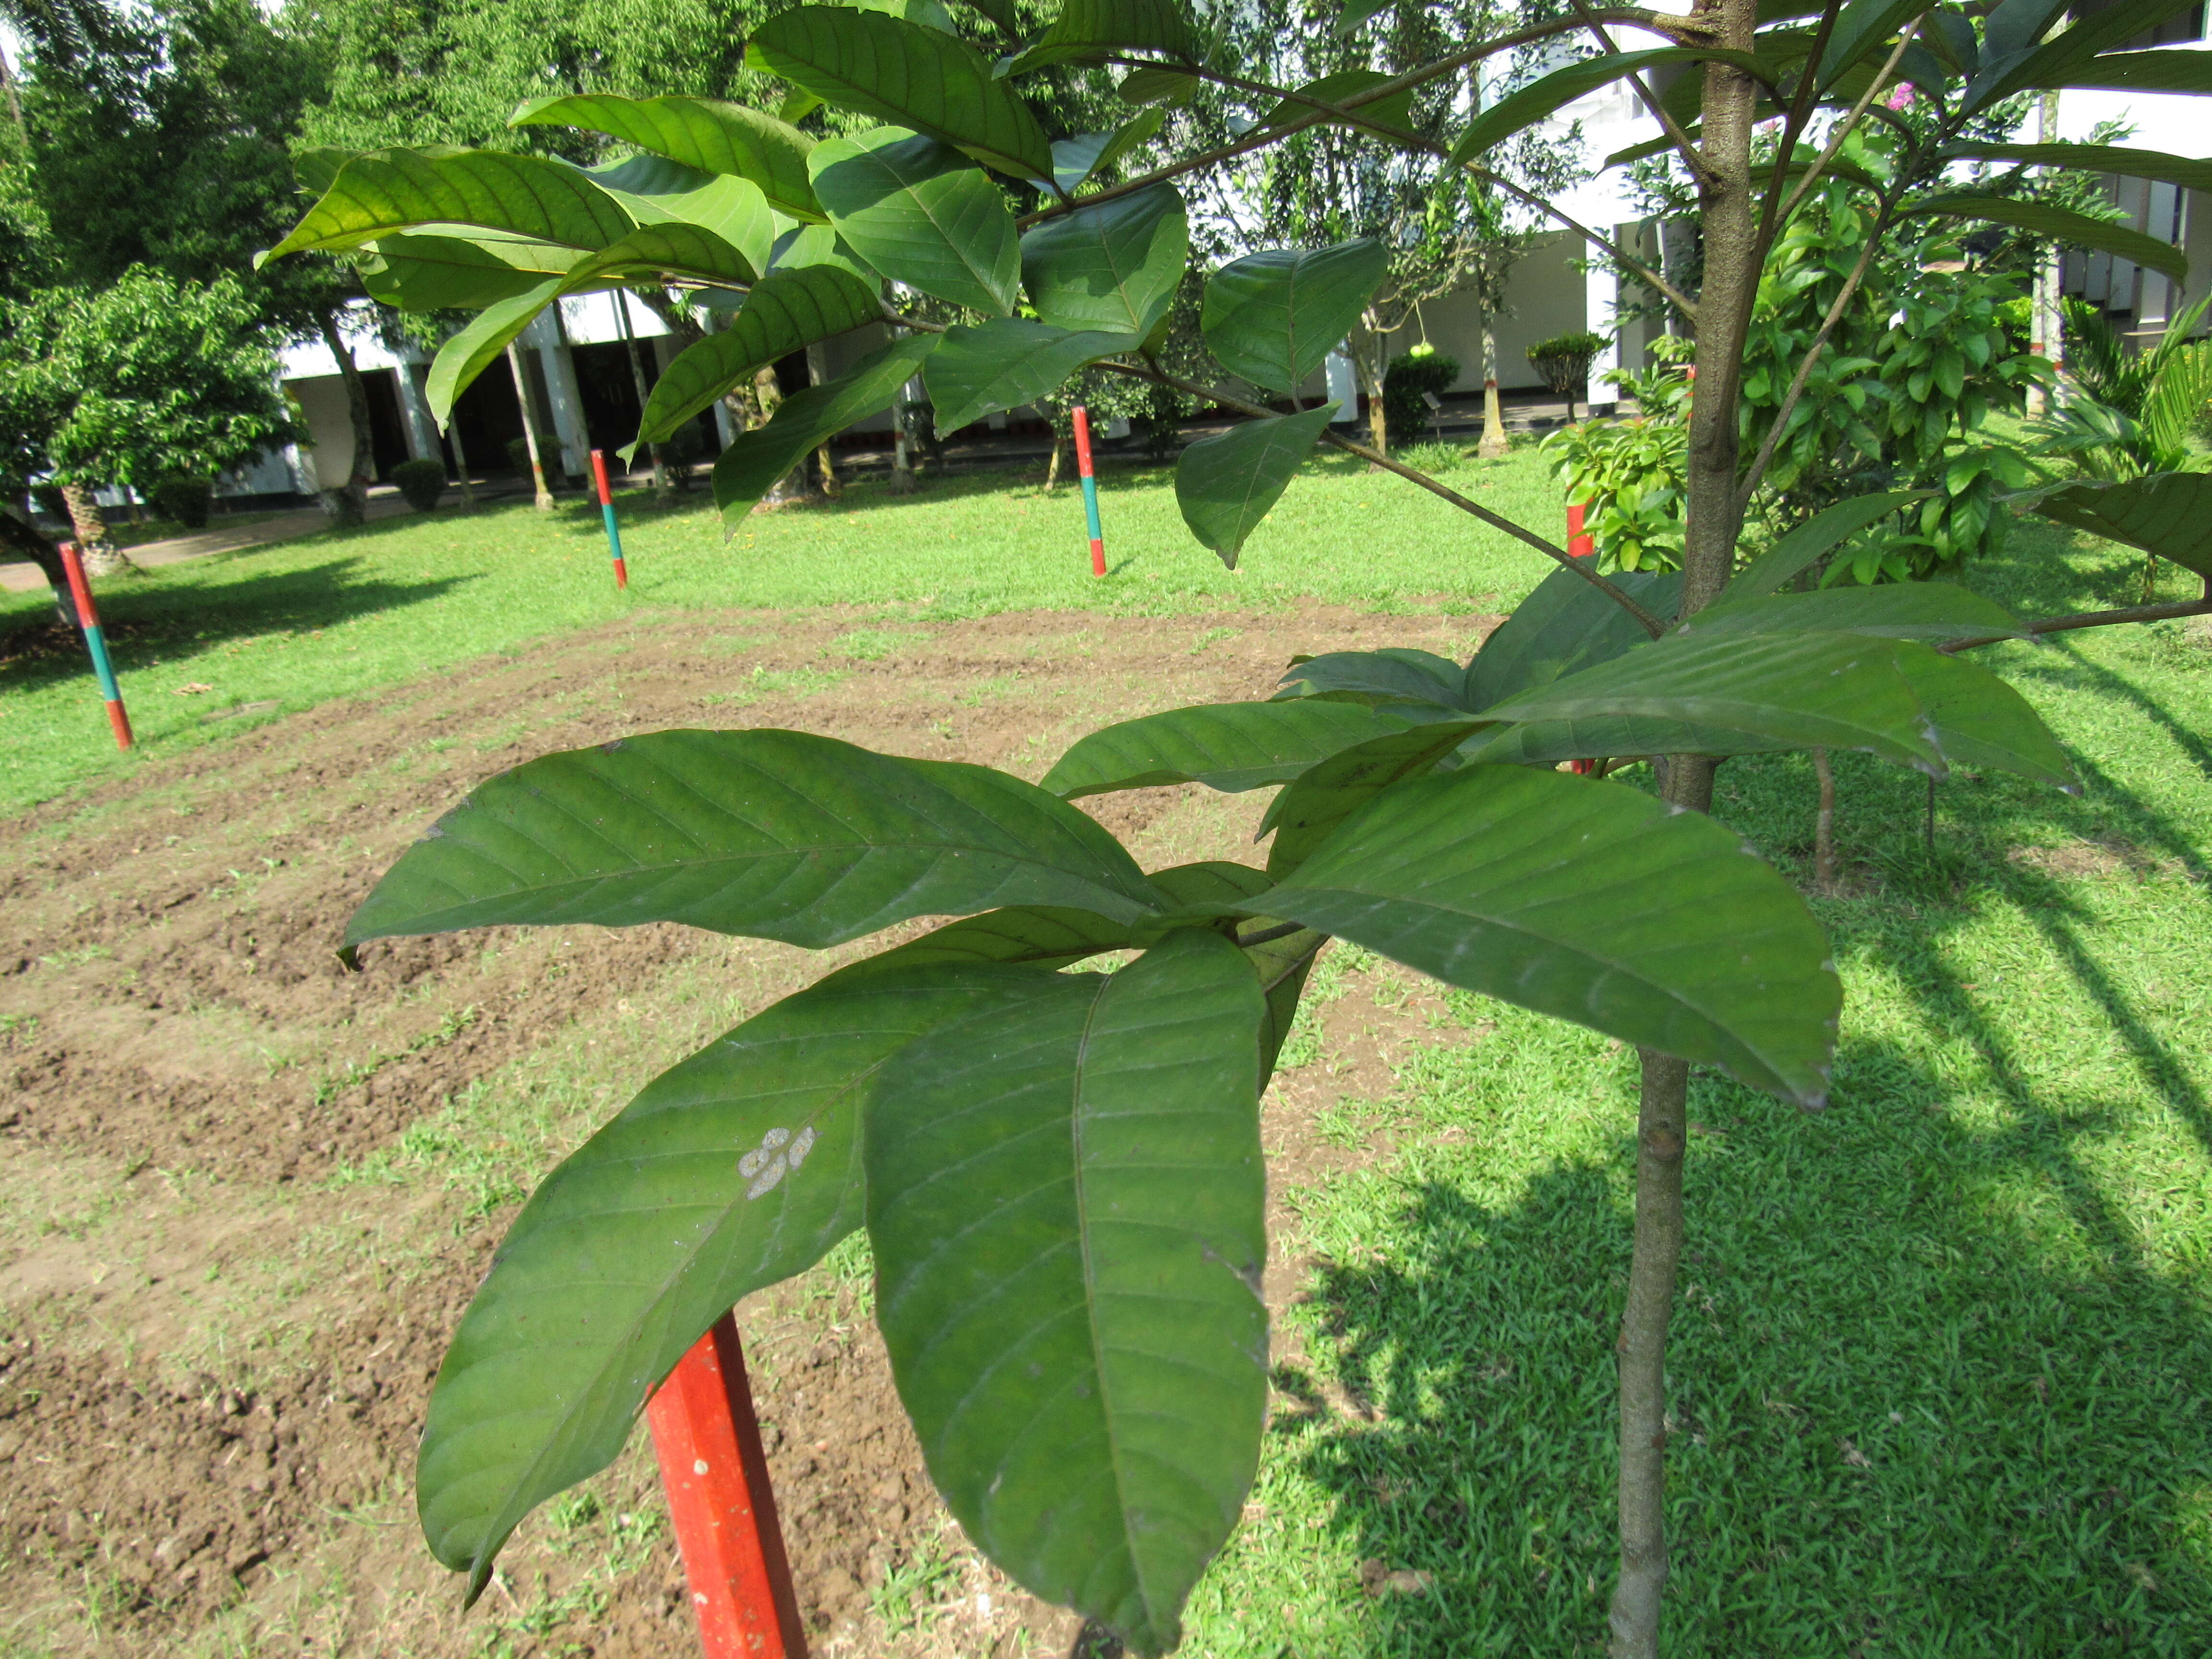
x=1690, y=156
x=1801, y=112
x=2096, y=619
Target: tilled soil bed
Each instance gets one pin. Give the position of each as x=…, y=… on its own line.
x=247, y=1193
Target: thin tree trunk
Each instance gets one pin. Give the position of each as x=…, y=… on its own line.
x=818, y=373
x=15, y=98
x=2046, y=313
x=1711, y=524
x=768, y=394
x=348, y=503
x=24, y=539
x=1823, y=825
x=1051, y=466
x=663, y=491
x=903, y=479
x=461, y=465
x=533, y=440
x=1493, y=444
x=94, y=546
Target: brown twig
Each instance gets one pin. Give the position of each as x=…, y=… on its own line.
x=1690, y=156
x=2094, y=619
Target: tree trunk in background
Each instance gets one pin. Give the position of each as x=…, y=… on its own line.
x=1711, y=522
x=461, y=465
x=533, y=440
x=768, y=395
x=2046, y=326
x=349, y=502
x=22, y=539
x=663, y=491
x=818, y=373
x=1368, y=350
x=1493, y=444
x=101, y=556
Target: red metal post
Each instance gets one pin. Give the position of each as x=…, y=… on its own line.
x=1089, y=489
x=716, y=1477
x=607, y=513
x=1580, y=543
x=95, y=643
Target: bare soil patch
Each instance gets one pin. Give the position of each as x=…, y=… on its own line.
x=218, y=1342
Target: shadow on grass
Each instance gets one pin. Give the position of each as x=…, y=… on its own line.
x=1927, y=1398
x=148, y=620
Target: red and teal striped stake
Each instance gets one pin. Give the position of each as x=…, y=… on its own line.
x=96, y=643
x=607, y=507
x=1089, y=489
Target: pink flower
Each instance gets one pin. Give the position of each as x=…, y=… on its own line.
x=1902, y=97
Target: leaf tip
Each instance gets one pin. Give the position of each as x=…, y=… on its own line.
x=350, y=958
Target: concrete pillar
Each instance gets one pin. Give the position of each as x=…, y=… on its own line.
x=1601, y=308
x=562, y=390
x=1343, y=388
x=422, y=430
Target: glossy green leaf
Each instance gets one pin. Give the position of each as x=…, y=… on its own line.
x=2012, y=61
x=1085, y=28
x=1546, y=95
x=1564, y=625
x=1230, y=746
x=1393, y=111
x=1801, y=548
x=1005, y=363
x=787, y=310
x=1588, y=900
x=478, y=346
x=706, y=133
x=2121, y=159
x=2060, y=225
x=1067, y=1205
x=810, y=245
x=749, y=467
x=2139, y=71
x=774, y=834
x=927, y=13
x=922, y=214
x=1895, y=610
x=1864, y=28
x=1393, y=674
x=386, y=190
x=732, y=1170
x=1315, y=805
x=1157, y=85
x=655, y=190
x=1140, y=129
x=906, y=74
x=414, y=271
x=315, y=167
x=1273, y=317
x=2168, y=513
x=1752, y=694
x=1225, y=484
x=1112, y=267
x=1074, y=160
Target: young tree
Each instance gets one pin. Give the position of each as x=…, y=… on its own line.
x=1059, y=1173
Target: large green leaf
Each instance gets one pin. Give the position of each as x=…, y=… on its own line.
x=1752, y=694
x=1005, y=363
x=907, y=74
x=749, y=468
x=1543, y=96
x=1086, y=27
x=730, y=1171
x=2096, y=158
x=1225, y=484
x=382, y=190
x=776, y=835
x=1393, y=674
x=1864, y=28
x=1565, y=624
x=787, y=310
x=421, y=272
x=922, y=214
x=478, y=346
x=1798, y=550
x=2138, y=71
x=2168, y=513
x=705, y=133
x=1306, y=814
x=1272, y=316
x=1111, y=267
x=1588, y=901
x=809, y=245
x=1895, y=610
x=2060, y=225
x=657, y=191
x=2011, y=61
x=671, y=248
x=1230, y=746
x=1067, y=1205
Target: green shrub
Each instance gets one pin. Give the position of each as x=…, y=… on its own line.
x=184, y=501
x=422, y=483
x=1630, y=474
x=1562, y=361
x=1422, y=370
x=518, y=454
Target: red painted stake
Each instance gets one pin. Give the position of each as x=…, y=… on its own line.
x=607, y=512
x=716, y=1477
x=1580, y=545
x=95, y=642
x=1089, y=489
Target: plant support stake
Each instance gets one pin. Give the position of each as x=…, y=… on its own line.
x=1580, y=542
x=607, y=510
x=96, y=643
x=1089, y=489
x=719, y=1501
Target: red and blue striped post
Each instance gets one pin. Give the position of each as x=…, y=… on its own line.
x=96, y=643
x=1089, y=489
x=607, y=509
x=721, y=1504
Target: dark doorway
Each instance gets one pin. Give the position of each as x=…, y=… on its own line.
x=489, y=417
x=387, y=427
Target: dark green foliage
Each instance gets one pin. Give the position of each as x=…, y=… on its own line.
x=184, y=501
x=422, y=483
x=1422, y=370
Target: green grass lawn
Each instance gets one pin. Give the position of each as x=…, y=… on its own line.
x=1942, y=1356
x=292, y=624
